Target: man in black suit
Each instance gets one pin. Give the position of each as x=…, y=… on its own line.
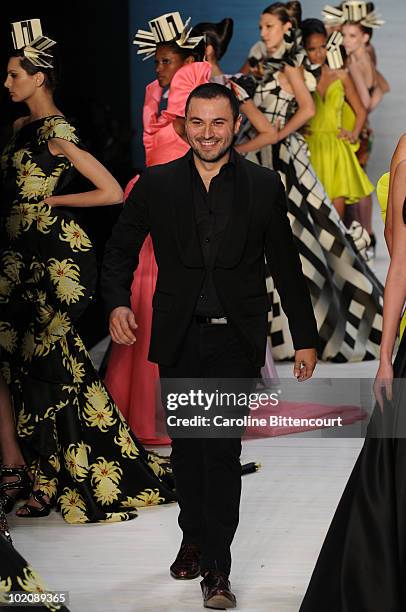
x=212, y=216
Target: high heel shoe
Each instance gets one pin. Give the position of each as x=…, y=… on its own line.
x=34, y=511
x=22, y=485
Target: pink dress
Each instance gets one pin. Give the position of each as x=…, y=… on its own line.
x=132, y=380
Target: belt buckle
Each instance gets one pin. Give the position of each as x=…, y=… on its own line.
x=218, y=321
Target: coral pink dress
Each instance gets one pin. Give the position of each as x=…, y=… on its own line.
x=132, y=380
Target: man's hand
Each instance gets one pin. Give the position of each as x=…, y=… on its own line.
x=305, y=362
x=122, y=325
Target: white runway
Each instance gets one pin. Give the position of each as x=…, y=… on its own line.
x=286, y=508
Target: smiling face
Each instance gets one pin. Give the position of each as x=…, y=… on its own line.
x=272, y=30
x=167, y=63
x=210, y=128
x=354, y=37
x=20, y=84
x=316, y=48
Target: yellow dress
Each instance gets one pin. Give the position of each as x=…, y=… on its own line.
x=382, y=192
x=333, y=158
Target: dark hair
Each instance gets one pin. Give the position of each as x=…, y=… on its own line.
x=286, y=11
x=217, y=34
x=209, y=91
x=312, y=26
x=50, y=74
x=197, y=53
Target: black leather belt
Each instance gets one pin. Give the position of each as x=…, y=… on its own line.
x=211, y=320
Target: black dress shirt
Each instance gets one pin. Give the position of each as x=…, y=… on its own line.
x=212, y=213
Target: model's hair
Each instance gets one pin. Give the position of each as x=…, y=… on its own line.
x=209, y=91
x=286, y=11
x=217, y=34
x=50, y=74
x=197, y=53
x=312, y=26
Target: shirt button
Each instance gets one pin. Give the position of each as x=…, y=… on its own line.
x=207, y=240
x=202, y=296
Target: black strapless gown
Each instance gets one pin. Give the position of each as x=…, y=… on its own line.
x=362, y=564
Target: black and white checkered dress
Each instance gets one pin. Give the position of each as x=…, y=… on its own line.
x=347, y=297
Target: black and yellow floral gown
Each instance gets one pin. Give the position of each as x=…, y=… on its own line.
x=86, y=458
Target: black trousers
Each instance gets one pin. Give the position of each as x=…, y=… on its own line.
x=207, y=470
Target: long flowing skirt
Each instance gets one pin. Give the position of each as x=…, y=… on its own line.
x=346, y=295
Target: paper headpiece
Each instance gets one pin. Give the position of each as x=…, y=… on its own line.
x=351, y=11
x=166, y=28
x=27, y=36
x=334, y=56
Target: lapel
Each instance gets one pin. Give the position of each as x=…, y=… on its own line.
x=235, y=233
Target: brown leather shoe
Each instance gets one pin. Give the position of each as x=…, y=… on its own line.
x=216, y=592
x=187, y=563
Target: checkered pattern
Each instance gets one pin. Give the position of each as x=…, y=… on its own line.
x=347, y=297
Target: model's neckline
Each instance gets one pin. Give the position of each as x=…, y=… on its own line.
x=39, y=119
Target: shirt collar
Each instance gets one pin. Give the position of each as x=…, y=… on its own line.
x=230, y=164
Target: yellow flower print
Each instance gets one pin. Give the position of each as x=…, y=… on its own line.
x=20, y=219
x=52, y=180
x=45, y=218
x=30, y=179
x=76, y=236
x=5, y=587
x=5, y=288
x=72, y=506
x=13, y=223
x=8, y=337
x=68, y=290
x=52, y=410
x=125, y=441
x=18, y=158
x=56, y=329
x=32, y=582
x=11, y=264
x=63, y=269
x=28, y=345
x=79, y=344
x=76, y=460
x=149, y=497
x=98, y=411
x=54, y=461
x=106, y=475
x=75, y=367
x=57, y=127
x=37, y=271
x=106, y=469
x=23, y=429
x=114, y=517
x=5, y=372
x=27, y=214
x=106, y=492
x=47, y=486
x=156, y=467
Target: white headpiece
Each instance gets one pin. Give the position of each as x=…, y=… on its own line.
x=334, y=56
x=351, y=11
x=27, y=35
x=166, y=28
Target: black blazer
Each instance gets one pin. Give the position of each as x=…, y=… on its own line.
x=161, y=204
